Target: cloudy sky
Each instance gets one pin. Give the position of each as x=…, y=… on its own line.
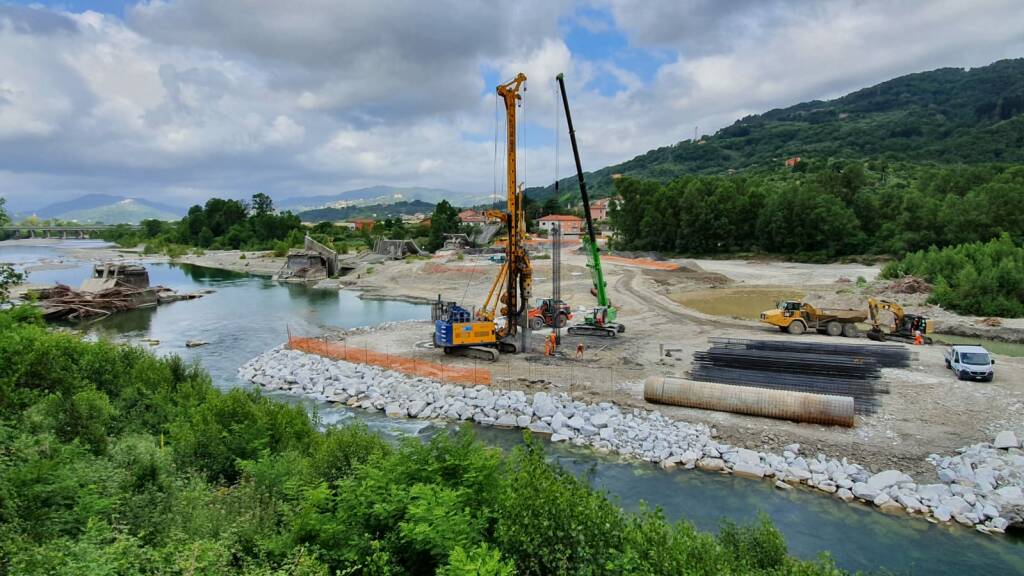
x=180, y=100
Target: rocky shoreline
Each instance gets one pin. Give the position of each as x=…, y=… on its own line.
x=981, y=486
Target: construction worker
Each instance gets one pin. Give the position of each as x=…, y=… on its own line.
x=918, y=338
x=579, y=351
x=549, y=348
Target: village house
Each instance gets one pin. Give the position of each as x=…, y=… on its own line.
x=599, y=209
x=472, y=217
x=570, y=225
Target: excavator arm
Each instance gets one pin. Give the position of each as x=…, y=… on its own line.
x=875, y=308
x=907, y=327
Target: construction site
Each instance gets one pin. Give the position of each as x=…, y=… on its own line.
x=611, y=351
x=561, y=314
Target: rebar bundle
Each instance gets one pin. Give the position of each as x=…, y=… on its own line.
x=863, y=392
x=827, y=369
x=886, y=355
x=791, y=362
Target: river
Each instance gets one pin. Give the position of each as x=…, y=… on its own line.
x=247, y=315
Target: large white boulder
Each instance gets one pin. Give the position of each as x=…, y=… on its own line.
x=543, y=406
x=1006, y=439
x=883, y=480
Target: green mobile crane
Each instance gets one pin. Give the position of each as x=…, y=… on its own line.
x=600, y=321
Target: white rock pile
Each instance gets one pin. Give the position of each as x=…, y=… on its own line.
x=982, y=486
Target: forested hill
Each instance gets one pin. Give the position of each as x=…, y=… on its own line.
x=948, y=116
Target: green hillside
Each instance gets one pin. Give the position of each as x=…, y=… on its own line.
x=947, y=116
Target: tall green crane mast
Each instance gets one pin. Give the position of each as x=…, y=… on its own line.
x=601, y=319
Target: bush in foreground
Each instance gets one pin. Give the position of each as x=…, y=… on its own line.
x=117, y=462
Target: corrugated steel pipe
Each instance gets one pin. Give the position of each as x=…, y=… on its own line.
x=796, y=406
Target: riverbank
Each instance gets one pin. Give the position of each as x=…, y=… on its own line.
x=979, y=487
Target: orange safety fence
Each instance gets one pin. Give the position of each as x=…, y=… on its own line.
x=450, y=269
x=409, y=366
x=641, y=263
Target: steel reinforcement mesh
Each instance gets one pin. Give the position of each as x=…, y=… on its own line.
x=409, y=366
x=827, y=369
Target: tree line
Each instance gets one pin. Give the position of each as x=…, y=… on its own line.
x=822, y=210
x=119, y=462
x=982, y=278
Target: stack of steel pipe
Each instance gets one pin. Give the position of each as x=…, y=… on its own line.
x=886, y=355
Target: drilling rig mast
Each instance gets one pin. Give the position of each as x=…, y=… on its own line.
x=455, y=328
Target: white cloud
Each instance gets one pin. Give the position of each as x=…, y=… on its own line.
x=189, y=98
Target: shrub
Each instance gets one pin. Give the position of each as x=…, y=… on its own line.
x=118, y=462
x=986, y=279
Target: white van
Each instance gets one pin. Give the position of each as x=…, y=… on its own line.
x=970, y=363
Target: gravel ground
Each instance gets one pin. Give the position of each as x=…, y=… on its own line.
x=928, y=411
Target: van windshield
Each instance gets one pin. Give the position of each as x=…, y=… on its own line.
x=974, y=358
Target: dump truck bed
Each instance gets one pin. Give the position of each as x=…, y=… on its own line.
x=843, y=315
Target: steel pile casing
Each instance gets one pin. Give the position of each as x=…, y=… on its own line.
x=782, y=404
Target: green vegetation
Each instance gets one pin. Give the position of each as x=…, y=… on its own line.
x=118, y=462
x=236, y=225
x=986, y=279
x=9, y=277
x=219, y=225
x=822, y=210
x=444, y=220
x=949, y=116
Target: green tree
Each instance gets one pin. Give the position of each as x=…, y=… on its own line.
x=445, y=220
x=9, y=277
x=4, y=218
x=262, y=205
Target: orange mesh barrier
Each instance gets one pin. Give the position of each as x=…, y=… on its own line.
x=566, y=242
x=448, y=269
x=410, y=366
x=641, y=263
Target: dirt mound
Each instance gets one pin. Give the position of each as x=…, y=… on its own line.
x=910, y=285
x=993, y=322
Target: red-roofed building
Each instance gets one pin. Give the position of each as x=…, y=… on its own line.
x=570, y=225
x=472, y=217
x=599, y=209
x=364, y=223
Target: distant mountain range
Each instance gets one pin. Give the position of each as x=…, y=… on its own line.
x=949, y=115
x=377, y=195
x=106, y=209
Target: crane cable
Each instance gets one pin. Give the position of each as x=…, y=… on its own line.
x=494, y=195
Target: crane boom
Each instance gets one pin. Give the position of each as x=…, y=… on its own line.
x=594, y=259
x=601, y=320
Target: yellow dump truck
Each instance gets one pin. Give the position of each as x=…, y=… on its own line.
x=798, y=317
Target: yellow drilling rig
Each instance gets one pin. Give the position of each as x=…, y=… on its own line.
x=478, y=332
